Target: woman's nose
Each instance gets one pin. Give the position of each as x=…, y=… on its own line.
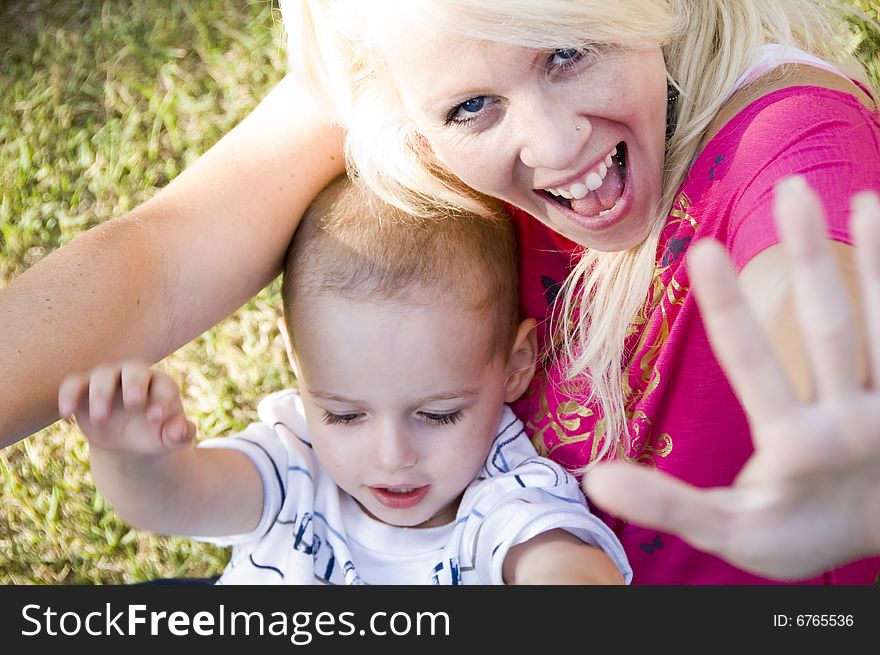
x=552, y=136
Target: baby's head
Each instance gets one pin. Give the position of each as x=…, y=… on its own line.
x=406, y=342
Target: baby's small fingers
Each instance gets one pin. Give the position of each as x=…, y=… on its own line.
x=135, y=377
x=178, y=431
x=103, y=386
x=70, y=393
x=163, y=399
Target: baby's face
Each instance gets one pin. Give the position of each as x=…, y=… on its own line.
x=402, y=401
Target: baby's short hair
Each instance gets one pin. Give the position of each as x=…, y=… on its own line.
x=353, y=244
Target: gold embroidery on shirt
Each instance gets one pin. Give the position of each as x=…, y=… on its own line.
x=647, y=452
x=552, y=429
x=679, y=211
x=645, y=448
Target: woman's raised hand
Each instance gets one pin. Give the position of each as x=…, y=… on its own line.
x=808, y=499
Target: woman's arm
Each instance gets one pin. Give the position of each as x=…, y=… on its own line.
x=144, y=284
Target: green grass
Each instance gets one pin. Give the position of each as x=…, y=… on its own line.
x=866, y=39
x=101, y=103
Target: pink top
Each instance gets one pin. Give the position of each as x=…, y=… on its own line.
x=684, y=417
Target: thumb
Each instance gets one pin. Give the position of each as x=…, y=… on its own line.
x=659, y=501
x=177, y=432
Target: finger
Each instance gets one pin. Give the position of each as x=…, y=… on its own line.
x=824, y=313
x=866, y=231
x=178, y=432
x=70, y=394
x=103, y=386
x=737, y=339
x=135, y=380
x=655, y=500
x=163, y=397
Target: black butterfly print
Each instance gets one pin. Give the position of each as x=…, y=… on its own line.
x=551, y=288
x=654, y=545
x=718, y=160
x=676, y=247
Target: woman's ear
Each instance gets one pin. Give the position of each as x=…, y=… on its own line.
x=522, y=360
x=288, y=345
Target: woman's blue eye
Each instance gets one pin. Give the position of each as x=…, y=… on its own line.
x=473, y=105
x=467, y=111
x=566, y=53
x=565, y=57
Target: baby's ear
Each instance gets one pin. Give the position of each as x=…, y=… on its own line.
x=288, y=345
x=521, y=363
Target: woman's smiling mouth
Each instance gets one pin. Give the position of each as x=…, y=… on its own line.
x=596, y=193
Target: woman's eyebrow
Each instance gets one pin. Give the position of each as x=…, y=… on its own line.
x=445, y=97
x=443, y=101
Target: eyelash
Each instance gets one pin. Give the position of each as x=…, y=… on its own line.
x=571, y=62
x=430, y=417
x=339, y=419
x=460, y=122
x=442, y=419
x=579, y=55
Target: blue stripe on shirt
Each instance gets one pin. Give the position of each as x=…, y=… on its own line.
x=300, y=469
x=274, y=467
x=266, y=567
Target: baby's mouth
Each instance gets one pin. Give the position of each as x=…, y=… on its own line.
x=601, y=188
x=400, y=497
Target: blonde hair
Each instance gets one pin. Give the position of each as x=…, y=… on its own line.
x=351, y=244
x=707, y=45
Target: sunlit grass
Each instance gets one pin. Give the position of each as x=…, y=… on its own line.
x=101, y=104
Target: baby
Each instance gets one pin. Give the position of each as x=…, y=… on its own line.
x=397, y=461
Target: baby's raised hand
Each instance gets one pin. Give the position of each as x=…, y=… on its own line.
x=127, y=407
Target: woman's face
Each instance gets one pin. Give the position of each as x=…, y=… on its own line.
x=574, y=138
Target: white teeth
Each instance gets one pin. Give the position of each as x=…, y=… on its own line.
x=579, y=190
x=591, y=182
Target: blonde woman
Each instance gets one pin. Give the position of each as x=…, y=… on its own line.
x=619, y=134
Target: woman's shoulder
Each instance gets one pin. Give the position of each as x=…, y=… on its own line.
x=810, y=122
x=804, y=122
x=797, y=87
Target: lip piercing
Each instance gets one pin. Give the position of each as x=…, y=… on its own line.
x=577, y=127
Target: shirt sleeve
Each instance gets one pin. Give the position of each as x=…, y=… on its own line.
x=826, y=136
x=522, y=495
x=524, y=514
x=269, y=454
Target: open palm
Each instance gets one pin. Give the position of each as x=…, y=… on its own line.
x=808, y=499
